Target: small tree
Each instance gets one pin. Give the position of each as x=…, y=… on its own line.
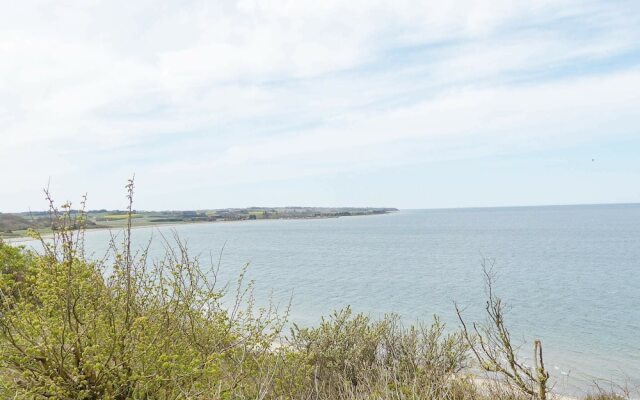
x=492, y=346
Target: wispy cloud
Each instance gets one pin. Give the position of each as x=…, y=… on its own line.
x=249, y=91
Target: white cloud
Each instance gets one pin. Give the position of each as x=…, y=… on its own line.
x=251, y=90
x=504, y=118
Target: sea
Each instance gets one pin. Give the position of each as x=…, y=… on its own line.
x=570, y=275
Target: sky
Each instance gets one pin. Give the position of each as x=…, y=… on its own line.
x=408, y=104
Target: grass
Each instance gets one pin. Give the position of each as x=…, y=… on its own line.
x=118, y=217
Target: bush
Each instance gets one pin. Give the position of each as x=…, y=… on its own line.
x=354, y=356
x=132, y=328
x=75, y=329
x=79, y=335
x=15, y=271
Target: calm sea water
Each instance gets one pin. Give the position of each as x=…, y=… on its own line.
x=570, y=273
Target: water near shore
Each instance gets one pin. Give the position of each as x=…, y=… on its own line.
x=571, y=273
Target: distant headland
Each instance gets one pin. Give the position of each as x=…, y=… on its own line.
x=17, y=224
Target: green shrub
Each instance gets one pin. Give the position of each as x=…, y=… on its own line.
x=130, y=329
x=160, y=333
x=16, y=268
x=353, y=355
x=133, y=328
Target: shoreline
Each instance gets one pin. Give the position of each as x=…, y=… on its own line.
x=47, y=235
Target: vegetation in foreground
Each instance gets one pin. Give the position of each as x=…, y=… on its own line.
x=135, y=328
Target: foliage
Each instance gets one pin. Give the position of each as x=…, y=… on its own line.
x=75, y=329
x=493, y=348
x=15, y=270
x=128, y=327
x=354, y=356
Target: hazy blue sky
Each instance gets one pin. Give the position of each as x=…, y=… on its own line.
x=412, y=104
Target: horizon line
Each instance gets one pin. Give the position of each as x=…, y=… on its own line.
x=354, y=207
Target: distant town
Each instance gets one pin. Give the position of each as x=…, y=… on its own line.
x=17, y=224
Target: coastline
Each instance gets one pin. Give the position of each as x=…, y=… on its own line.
x=47, y=235
x=410, y=217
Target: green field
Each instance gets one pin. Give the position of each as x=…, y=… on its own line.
x=118, y=217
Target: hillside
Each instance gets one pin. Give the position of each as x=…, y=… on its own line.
x=12, y=223
x=16, y=225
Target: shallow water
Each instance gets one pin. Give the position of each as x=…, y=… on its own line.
x=570, y=273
